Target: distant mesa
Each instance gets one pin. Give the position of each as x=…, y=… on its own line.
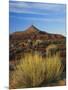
x=33, y=32
x=32, y=28
x=29, y=30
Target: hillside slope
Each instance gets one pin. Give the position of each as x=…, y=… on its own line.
x=34, y=33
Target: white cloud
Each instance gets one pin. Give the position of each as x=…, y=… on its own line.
x=27, y=11
x=27, y=7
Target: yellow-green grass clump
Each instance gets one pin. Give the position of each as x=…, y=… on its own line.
x=54, y=67
x=33, y=70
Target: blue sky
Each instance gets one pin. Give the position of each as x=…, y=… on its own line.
x=47, y=17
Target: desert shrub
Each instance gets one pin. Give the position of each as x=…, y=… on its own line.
x=51, y=50
x=33, y=70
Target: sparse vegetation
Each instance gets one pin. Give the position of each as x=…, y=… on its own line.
x=33, y=70
x=36, y=69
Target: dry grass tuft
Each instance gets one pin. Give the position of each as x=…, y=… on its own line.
x=54, y=68
x=33, y=70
